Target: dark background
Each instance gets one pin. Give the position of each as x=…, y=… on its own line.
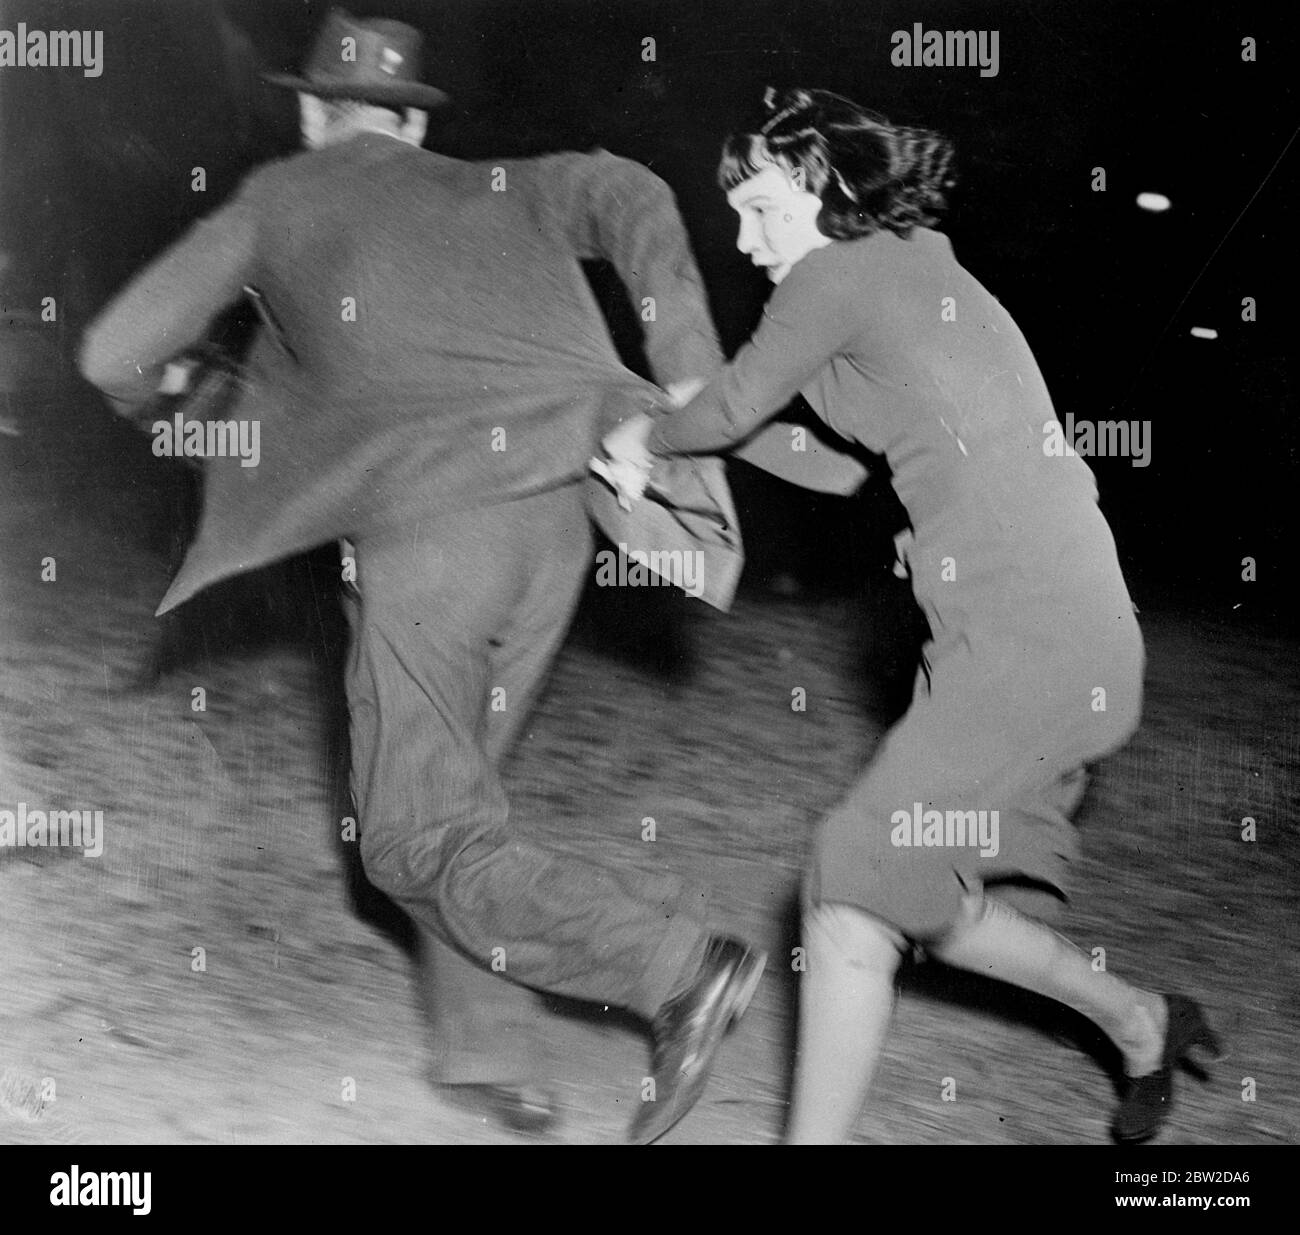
x=224, y=823
x=96, y=179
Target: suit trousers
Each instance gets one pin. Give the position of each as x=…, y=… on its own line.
x=459, y=619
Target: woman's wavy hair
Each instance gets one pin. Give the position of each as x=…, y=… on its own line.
x=869, y=174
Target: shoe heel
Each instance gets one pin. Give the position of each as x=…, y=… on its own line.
x=1207, y=1038
x=1194, y=1033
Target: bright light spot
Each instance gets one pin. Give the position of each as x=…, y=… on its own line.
x=1156, y=202
x=1204, y=332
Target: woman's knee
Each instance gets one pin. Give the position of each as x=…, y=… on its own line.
x=860, y=939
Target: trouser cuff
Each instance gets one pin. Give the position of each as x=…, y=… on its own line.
x=676, y=962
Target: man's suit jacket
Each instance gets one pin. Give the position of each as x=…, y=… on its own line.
x=445, y=349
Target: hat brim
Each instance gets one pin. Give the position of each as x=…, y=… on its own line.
x=398, y=94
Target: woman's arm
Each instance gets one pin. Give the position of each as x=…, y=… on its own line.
x=810, y=318
x=815, y=464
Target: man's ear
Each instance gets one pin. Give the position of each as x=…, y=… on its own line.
x=415, y=125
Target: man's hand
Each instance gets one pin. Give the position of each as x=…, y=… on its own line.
x=176, y=377
x=628, y=459
x=628, y=443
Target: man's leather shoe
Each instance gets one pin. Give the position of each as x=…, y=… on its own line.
x=527, y=1109
x=689, y=1029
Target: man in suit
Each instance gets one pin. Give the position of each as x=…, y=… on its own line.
x=438, y=376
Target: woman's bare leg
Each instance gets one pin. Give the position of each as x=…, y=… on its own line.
x=993, y=939
x=846, y=999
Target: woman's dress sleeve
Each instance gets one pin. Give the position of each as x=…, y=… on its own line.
x=810, y=318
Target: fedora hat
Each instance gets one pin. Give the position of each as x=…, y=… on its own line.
x=375, y=61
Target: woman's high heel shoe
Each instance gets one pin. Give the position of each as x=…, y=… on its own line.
x=1148, y=1099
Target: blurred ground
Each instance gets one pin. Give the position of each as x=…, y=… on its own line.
x=222, y=833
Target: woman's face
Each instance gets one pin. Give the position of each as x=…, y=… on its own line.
x=778, y=220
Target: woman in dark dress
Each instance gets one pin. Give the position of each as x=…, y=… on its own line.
x=957, y=837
